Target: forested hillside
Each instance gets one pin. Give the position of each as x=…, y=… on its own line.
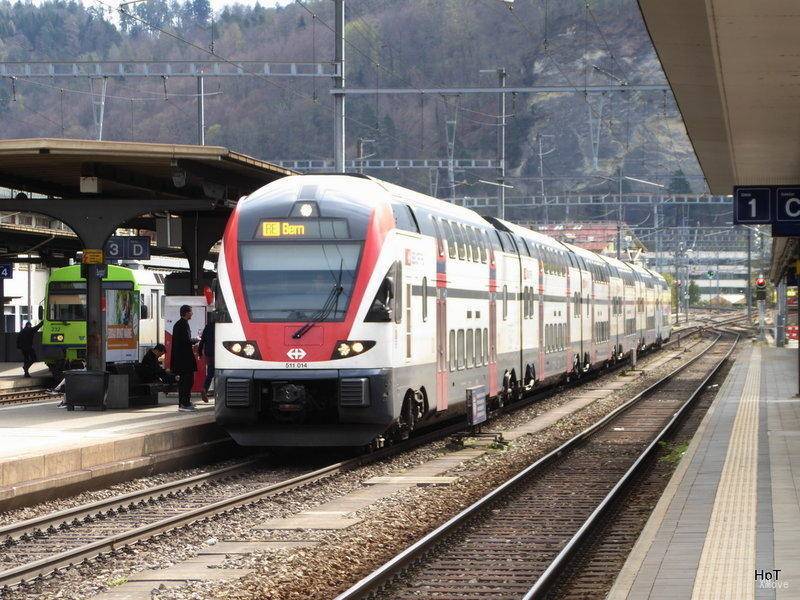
x=392, y=43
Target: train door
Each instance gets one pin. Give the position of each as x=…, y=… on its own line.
x=491, y=247
x=512, y=307
x=441, y=319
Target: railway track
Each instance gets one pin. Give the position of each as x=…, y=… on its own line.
x=516, y=540
x=25, y=396
x=41, y=546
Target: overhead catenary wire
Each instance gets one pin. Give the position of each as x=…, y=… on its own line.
x=605, y=42
x=233, y=63
x=68, y=90
x=377, y=64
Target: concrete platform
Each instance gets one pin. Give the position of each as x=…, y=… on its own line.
x=46, y=451
x=730, y=516
x=12, y=376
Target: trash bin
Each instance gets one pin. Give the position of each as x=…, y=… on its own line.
x=85, y=388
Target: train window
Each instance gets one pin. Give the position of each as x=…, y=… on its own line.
x=470, y=348
x=460, y=345
x=525, y=302
x=529, y=302
x=424, y=299
x=486, y=346
x=467, y=244
x=492, y=239
x=500, y=241
x=573, y=262
x=460, y=241
x=505, y=302
x=576, y=304
x=451, y=240
x=473, y=240
x=508, y=240
x=484, y=251
x=403, y=218
x=439, y=239
x=452, y=349
x=478, y=348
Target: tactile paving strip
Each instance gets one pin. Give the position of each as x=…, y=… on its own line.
x=728, y=559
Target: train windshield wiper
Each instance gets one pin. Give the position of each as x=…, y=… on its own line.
x=330, y=305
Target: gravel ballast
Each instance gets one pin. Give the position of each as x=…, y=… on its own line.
x=341, y=557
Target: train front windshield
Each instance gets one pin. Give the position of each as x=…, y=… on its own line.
x=67, y=306
x=293, y=281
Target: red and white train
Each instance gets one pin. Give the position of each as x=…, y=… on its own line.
x=355, y=310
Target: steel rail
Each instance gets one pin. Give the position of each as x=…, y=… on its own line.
x=50, y=564
x=25, y=395
x=35, y=525
x=560, y=562
x=383, y=574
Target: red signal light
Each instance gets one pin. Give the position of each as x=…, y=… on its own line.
x=761, y=282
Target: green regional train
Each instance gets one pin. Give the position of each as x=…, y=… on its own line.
x=134, y=320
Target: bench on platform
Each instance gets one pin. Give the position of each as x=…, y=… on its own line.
x=126, y=389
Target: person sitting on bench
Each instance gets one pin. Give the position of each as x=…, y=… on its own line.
x=150, y=369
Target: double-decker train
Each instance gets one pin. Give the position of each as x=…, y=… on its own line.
x=354, y=311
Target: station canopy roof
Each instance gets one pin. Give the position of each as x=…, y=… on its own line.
x=131, y=169
x=734, y=68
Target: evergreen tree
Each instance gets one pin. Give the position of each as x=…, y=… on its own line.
x=694, y=292
x=679, y=183
x=201, y=10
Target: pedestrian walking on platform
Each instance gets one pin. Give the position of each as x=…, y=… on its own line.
x=25, y=345
x=206, y=349
x=182, y=361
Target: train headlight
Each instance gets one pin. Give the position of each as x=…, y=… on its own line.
x=56, y=337
x=245, y=349
x=346, y=348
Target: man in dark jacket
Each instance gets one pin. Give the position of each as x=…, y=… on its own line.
x=150, y=369
x=25, y=345
x=182, y=362
x=206, y=349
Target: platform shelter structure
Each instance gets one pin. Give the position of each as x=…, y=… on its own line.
x=96, y=187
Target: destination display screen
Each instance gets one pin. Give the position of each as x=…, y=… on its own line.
x=309, y=229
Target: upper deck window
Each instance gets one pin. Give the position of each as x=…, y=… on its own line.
x=403, y=217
